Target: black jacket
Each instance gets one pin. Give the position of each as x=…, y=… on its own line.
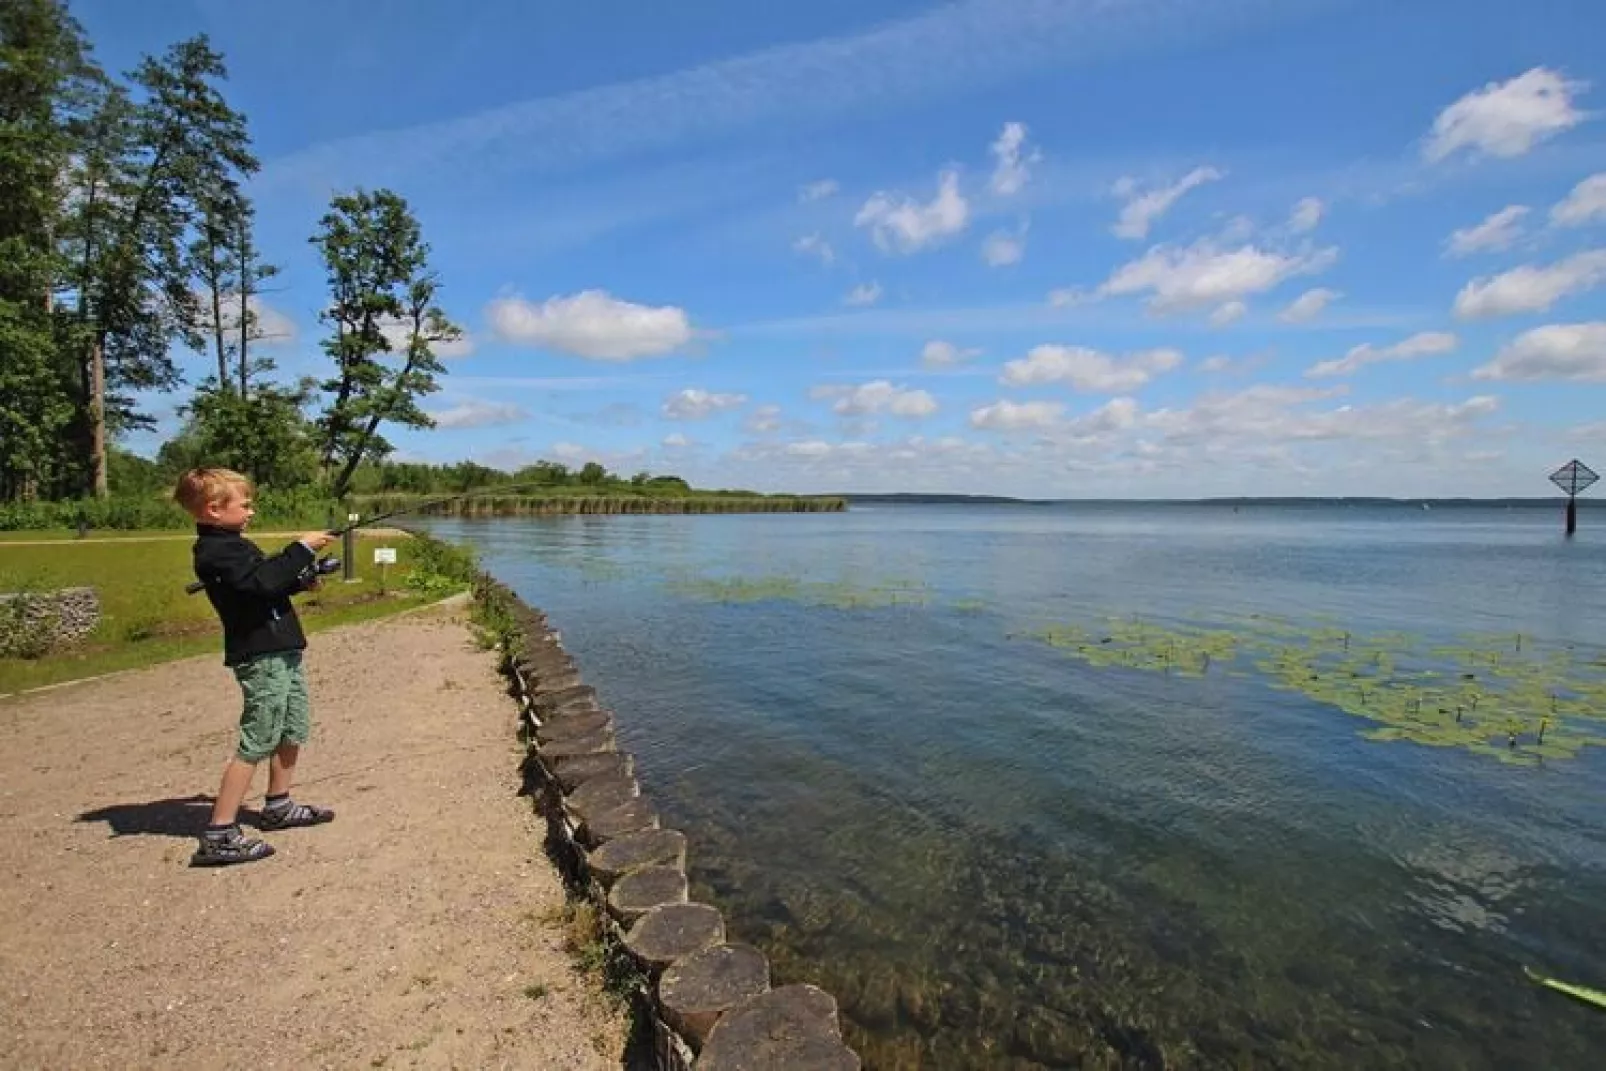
x=251, y=592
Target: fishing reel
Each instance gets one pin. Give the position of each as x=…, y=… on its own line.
x=319, y=568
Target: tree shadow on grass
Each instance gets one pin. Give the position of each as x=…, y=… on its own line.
x=185, y=817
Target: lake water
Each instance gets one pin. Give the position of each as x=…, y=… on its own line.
x=1134, y=845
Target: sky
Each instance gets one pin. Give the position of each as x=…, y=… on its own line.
x=1044, y=248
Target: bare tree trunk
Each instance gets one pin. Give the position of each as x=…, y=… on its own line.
x=213, y=278
x=245, y=321
x=373, y=425
x=97, y=419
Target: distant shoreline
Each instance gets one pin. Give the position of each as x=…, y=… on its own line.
x=917, y=498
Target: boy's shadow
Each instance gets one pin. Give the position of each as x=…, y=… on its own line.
x=180, y=817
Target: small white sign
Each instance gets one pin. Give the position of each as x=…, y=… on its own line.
x=384, y=555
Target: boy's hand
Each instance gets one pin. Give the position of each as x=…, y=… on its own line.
x=317, y=540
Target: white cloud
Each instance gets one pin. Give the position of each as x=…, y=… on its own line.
x=1141, y=210
x=1530, y=288
x=764, y=419
x=478, y=414
x=1424, y=344
x=1004, y=415
x=939, y=354
x=1218, y=363
x=1498, y=231
x=575, y=454
x=863, y=294
x=1585, y=204
x=274, y=326
x=878, y=397
x=1507, y=118
x=815, y=246
x=1230, y=313
x=818, y=191
x=1266, y=439
x=693, y=403
x=1570, y=352
x=904, y=225
x=591, y=324
x=398, y=332
x=676, y=441
x=1309, y=305
x=1276, y=414
x=1205, y=274
x=1306, y=215
x=1088, y=370
x=1003, y=247
x=1011, y=172
x=1115, y=415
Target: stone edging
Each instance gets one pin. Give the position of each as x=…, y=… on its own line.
x=709, y=999
x=50, y=619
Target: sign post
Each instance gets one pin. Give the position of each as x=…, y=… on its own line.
x=1573, y=478
x=384, y=557
x=348, y=547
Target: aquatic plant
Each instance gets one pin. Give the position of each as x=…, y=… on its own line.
x=839, y=594
x=1506, y=697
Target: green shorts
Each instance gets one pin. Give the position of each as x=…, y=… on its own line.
x=276, y=708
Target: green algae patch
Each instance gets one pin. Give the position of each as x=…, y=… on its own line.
x=1505, y=697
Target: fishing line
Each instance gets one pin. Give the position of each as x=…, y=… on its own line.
x=324, y=566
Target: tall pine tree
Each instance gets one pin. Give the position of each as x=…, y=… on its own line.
x=381, y=290
x=45, y=72
x=146, y=173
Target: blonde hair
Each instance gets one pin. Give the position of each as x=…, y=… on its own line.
x=199, y=488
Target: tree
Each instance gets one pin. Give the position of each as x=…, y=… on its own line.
x=592, y=474
x=228, y=267
x=44, y=69
x=381, y=290
x=143, y=173
x=264, y=434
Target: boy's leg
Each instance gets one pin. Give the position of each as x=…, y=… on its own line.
x=282, y=769
x=260, y=717
x=279, y=812
x=236, y=783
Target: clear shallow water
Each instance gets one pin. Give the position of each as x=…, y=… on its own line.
x=996, y=855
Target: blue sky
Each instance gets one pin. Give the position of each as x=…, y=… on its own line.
x=1034, y=247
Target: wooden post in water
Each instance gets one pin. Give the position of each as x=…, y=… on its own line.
x=1573, y=478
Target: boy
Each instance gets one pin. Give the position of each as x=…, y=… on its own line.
x=262, y=644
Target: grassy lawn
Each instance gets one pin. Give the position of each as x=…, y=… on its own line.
x=102, y=535
x=147, y=618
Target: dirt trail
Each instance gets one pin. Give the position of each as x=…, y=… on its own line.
x=417, y=930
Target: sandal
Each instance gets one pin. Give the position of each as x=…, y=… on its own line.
x=295, y=814
x=233, y=847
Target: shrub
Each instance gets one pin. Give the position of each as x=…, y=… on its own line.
x=438, y=568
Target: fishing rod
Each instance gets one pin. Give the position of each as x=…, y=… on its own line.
x=326, y=565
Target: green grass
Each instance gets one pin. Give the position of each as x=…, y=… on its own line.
x=145, y=616
x=102, y=535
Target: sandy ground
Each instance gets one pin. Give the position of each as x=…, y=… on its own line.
x=417, y=930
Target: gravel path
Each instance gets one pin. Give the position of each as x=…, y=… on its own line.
x=417, y=930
